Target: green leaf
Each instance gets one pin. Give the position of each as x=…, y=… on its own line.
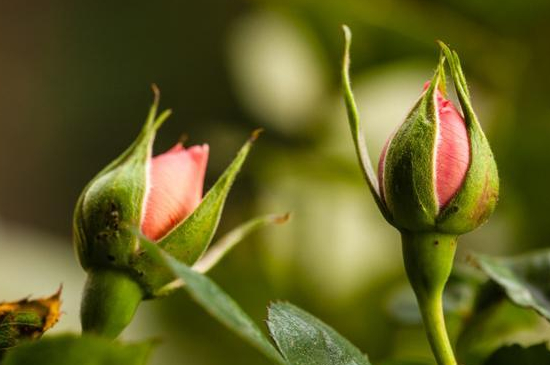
x=218, y=303
x=357, y=130
x=27, y=319
x=496, y=325
x=305, y=340
x=188, y=241
x=524, y=278
x=517, y=355
x=72, y=350
x=496, y=321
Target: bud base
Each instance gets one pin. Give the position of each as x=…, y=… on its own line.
x=109, y=302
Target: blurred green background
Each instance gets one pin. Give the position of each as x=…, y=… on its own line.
x=75, y=88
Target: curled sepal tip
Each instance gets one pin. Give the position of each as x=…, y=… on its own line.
x=256, y=134
x=356, y=129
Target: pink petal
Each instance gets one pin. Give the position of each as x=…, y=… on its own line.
x=176, y=180
x=452, y=156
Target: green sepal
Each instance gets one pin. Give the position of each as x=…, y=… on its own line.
x=107, y=206
x=357, y=131
x=477, y=198
x=190, y=239
x=409, y=188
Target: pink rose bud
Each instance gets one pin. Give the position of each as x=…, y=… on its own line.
x=437, y=172
x=437, y=179
x=135, y=198
x=153, y=196
x=175, y=182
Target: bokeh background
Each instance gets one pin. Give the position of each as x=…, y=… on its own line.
x=75, y=87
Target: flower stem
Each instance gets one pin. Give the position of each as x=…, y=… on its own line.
x=109, y=302
x=428, y=262
x=434, y=323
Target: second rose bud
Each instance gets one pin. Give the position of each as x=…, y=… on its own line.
x=437, y=172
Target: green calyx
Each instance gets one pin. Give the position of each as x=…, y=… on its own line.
x=107, y=216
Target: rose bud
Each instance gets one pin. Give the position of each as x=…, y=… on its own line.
x=139, y=197
x=437, y=172
x=437, y=179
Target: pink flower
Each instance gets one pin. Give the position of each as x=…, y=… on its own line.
x=174, y=188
